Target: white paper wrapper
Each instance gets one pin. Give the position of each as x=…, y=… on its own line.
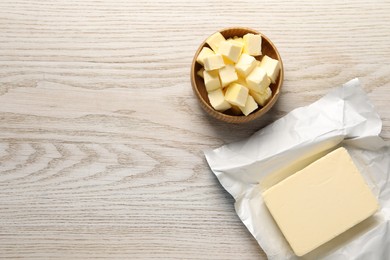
x=345, y=118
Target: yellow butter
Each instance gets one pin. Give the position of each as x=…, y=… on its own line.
x=234, y=62
x=215, y=40
x=238, y=40
x=320, y=202
x=271, y=67
x=227, y=61
x=245, y=64
x=252, y=44
x=236, y=94
x=227, y=75
x=230, y=50
x=200, y=72
x=213, y=62
x=241, y=80
x=217, y=100
x=258, y=80
x=250, y=106
x=211, y=80
x=262, y=98
x=205, y=52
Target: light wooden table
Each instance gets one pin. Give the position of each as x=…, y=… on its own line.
x=102, y=139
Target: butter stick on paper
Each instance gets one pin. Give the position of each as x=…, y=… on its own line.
x=342, y=118
x=320, y=202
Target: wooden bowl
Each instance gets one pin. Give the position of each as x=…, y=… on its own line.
x=268, y=48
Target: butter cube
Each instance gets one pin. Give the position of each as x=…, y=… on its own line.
x=245, y=64
x=217, y=100
x=200, y=72
x=242, y=80
x=215, y=40
x=321, y=201
x=250, y=106
x=227, y=75
x=213, y=62
x=211, y=80
x=231, y=50
x=263, y=97
x=271, y=67
x=206, y=51
x=252, y=44
x=258, y=80
x=227, y=61
x=238, y=39
x=236, y=94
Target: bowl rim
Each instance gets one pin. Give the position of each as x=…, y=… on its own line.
x=237, y=118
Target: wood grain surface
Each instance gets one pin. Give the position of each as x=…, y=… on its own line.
x=102, y=139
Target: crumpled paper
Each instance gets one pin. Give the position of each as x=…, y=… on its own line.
x=345, y=118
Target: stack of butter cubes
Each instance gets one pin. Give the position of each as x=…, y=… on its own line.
x=233, y=77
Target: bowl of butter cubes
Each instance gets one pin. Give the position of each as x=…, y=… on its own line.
x=237, y=74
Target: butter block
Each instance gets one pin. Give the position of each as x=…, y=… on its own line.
x=245, y=64
x=227, y=61
x=213, y=62
x=217, y=100
x=211, y=80
x=236, y=94
x=215, y=40
x=238, y=39
x=205, y=52
x=227, y=75
x=242, y=80
x=250, y=106
x=271, y=67
x=252, y=44
x=320, y=202
x=263, y=97
x=230, y=50
x=258, y=80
